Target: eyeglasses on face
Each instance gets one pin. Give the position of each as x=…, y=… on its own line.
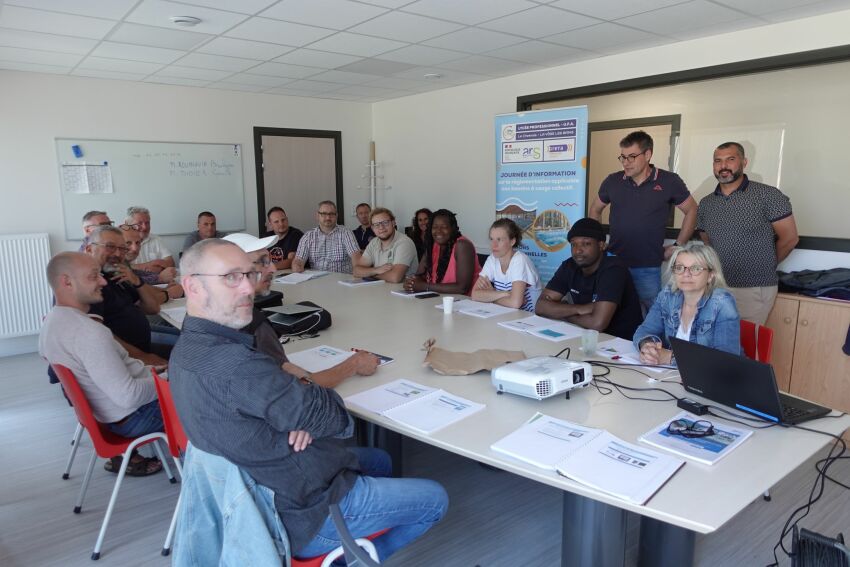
x=111, y=248
x=126, y=226
x=327, y=214
x=629, y=158
x=233, y=279
x=265, y=262
x=382, y=224
x=694, y=270
x=691, y=429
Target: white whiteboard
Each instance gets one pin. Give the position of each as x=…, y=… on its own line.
x=175, y=180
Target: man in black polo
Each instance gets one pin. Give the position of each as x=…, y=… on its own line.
x=363, y=233
x=640, y=197
x=592, y=290
x=752, y=227
x=127, y=299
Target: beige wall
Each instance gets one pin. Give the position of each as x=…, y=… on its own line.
x=438, y=148
x=36, y=108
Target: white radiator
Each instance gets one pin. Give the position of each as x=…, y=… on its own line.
x=25, y=296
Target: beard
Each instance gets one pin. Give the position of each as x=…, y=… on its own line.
x=728, y=176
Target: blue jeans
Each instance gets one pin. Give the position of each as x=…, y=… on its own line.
x=146, y=419
x=373, y=462
x=647, y=284
x=408, y=506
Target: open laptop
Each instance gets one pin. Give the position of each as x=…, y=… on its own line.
x=741, y=383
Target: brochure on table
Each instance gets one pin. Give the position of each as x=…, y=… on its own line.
x=707, y=450
x=478, y=309
x=592, y=457
x=418, y=407
x=296, y=278
x=324, y=357
x=357, y=282
x=621, y=350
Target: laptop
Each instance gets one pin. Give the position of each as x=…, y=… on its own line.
x=741, y=383
x=293, y=309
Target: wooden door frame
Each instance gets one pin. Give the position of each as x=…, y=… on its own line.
x=260, y=131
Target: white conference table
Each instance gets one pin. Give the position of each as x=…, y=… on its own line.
x=697, y=499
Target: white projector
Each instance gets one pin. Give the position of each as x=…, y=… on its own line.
x=541, y=377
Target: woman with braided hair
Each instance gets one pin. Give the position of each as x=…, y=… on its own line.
x=450, y=264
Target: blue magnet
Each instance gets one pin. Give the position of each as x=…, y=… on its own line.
x=78, y=152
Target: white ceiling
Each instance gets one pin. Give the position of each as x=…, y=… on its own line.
x=367, y=50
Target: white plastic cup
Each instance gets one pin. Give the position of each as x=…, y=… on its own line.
x=448, y=304
x=589, y=337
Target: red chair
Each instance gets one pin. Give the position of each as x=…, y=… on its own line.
x=178, y=442
x=757, y=341
x=106, y=445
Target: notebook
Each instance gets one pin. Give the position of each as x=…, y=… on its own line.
x=741, y=383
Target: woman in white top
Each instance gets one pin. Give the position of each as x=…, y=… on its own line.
x=508, y=276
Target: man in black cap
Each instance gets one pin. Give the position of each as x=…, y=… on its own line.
x=592, y=290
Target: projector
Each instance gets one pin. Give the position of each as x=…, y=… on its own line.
x=541, y=377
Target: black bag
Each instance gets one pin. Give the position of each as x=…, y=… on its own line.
x=289, y=325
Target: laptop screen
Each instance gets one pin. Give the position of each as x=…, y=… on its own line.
x=732, y=380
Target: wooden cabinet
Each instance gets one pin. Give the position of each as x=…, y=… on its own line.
x=807, y=349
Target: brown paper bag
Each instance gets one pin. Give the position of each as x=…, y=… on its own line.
x=451, y=363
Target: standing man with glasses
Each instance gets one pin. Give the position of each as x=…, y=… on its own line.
x=389, y=257
x=154, y=255
x=329, y=247
x=640, y=199
x=752, y=227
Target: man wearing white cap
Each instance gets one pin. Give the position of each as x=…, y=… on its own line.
x=265, y=337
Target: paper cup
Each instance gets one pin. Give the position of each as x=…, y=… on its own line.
x=448, y=304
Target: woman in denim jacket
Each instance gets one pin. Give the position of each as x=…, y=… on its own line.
x=694, y=306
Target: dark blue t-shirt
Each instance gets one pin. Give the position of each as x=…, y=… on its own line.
x=122, y=315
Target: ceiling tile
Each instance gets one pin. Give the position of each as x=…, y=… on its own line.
x=46, y=42
x=244, y=48
x=259, y=80
x=488, y=66
x=193, y=73
x=136, y=52
x=474, y=40
x=157, y=37
x=365, y=90
x=605, y=37
x=181, y=81
x=39, y=57
x=18, y=18
x=335, y=14
x=241, y=6
x=275, y=31
x=313, y=58
x=376, y=67
x=158, y=12
x=815, y=9
x=355, y=44
x=682, y=17
x=539, y=22
x=405, y=27
x=237, y=87
x=422, y=55
x=740, y=23
x=343, y=77
x=284, y=70
x=220, y=62
x=613, y=9
x=467, y=11
x=109, y=74
x=402, y=84
x=540, y=53
x=315, y=86
x=759, y=7
x=109, y=9
x=388, y=3
x=286, y=91
x=105, y=64
x=34, y=67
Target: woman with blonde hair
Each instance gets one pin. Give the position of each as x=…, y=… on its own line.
x=694, y=306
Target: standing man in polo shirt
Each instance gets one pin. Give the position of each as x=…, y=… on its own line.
x=154, y=255
x=640, y=199
x=329, y=246
x=389, y=257
x=363, y=233
x=282, y=250
x=752, y=228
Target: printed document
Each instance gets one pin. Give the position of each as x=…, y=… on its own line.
x=296, y=278
x=621, y=350
x=707, y=450
x=544, y=441
x=319, y=358
x=478, y=309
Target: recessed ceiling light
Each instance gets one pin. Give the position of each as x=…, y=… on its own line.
x=433, y=76
x=185, y=21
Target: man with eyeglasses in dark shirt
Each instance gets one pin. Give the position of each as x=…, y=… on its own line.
x=640, y=197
